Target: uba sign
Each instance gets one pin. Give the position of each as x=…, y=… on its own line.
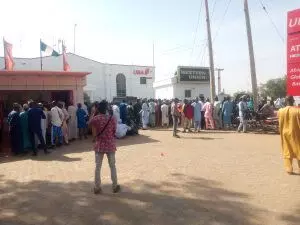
x=142, y=72
x=293, y=25
x=293, y=53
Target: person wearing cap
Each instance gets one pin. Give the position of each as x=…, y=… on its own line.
x=175, y=115
x=242, y=106
x=289, y=128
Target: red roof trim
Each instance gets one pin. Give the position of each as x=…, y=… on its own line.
x=41, y=73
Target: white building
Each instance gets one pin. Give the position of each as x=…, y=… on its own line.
x=106, y=81
x=187, y=83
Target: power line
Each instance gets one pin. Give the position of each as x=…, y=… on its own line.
x=222, y=20
x=213, y=9
x=197, y=27
x=271, y=20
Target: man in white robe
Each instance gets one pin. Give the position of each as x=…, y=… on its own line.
x=145, y=115
x=72, y=122
x=116, y=112
x=165, y=114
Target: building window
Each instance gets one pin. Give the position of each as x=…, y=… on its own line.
x=143, y=80
x=188, y=93
x=121, y=85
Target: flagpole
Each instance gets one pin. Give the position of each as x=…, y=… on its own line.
x=41, y=57
x=4, y=52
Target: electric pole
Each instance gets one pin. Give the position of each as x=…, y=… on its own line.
x=219, y=79
x=211, y=57
x=251, y=54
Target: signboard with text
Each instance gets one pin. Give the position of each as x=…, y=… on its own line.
x=293, y=53
x=143, y=72
x=293, y=79
x=196, y=74
x=293, y=48
x=293, y=21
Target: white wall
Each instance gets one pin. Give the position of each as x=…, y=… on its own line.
x=196, y=89
x=102, y=77
x=164, y=92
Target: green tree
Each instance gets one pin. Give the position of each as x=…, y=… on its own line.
x=274, y=88
x=237, y=95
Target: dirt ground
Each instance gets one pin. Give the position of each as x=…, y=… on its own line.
x=208, y=178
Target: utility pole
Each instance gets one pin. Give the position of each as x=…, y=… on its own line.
x=211, y=57
x=219, y=79
x=75, y=25
x=251, y=54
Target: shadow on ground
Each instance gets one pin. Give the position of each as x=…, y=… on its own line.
x=189, y=201
x=199, y=138
x=135, y=140
x=293, y=218
x=60, y=154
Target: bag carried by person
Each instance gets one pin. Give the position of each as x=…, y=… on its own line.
x=101, y=132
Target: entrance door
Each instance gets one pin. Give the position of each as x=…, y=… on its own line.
x=64, y=96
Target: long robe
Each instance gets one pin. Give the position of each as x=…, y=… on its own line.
x=227, y=110
x=25, y=130
x=197, y=111
x=65, y=128
x=165, y=114
x=145, y=115
x=123, y=112
x=289, y=127
x=152, y=121
x=15, y=132
x=72, y=122
x=116, y=112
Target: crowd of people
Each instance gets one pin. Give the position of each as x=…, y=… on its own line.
x=199, y=113
x=51, y=125
x=45, y=126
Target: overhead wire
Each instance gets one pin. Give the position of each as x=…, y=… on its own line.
x=222, y=20
x=197, y=27
x=271, y=20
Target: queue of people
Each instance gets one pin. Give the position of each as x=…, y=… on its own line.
x=45, y=126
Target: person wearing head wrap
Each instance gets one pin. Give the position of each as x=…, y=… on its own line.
x=289, y=127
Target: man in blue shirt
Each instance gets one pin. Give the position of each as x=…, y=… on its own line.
x=35, y=115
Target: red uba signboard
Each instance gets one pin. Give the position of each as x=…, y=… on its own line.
x=293, y=48
x=293, y=25
x=293, y=79
x=293, y=53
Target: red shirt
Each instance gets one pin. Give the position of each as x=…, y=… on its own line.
x=189, y=111
x=105, y=142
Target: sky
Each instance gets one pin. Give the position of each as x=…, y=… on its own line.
x=124, y=31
